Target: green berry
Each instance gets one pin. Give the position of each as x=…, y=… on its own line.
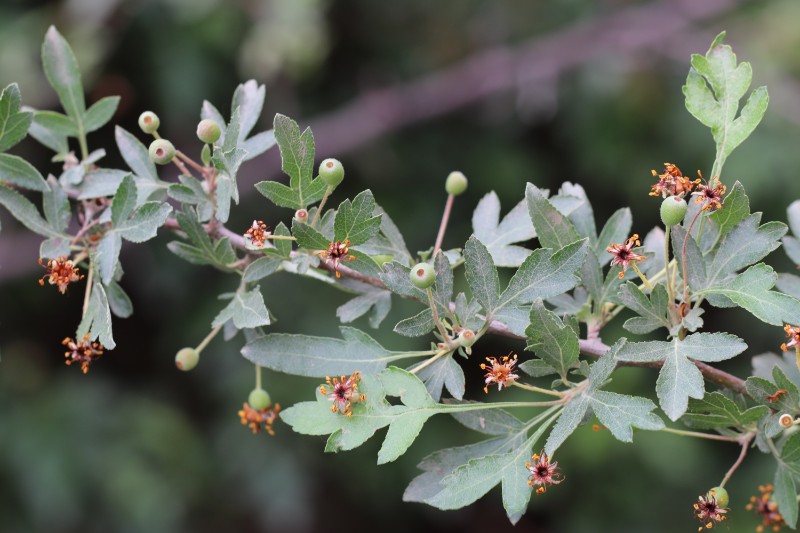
x=259, y=399
x=149, y=122
x=301, y=215
x=161, y=151
x=720, y=495
x=456, y=183
x=208, y=131
x=186, y=359
x=331, y=171
x=466, y=338
x=422, y=275
x=673, y=210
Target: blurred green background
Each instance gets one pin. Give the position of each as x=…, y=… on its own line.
x=585, y=91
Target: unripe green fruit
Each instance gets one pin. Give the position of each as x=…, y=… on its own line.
x=422, y=275
x=259, y=399
x=466, y=338
x=149, y=122
x=331, y=171
x=720, y=495
x=186, y=359
x=301, y=215
x=208, y=131
x=673, y=210
x=161, y=151
x=456, y=183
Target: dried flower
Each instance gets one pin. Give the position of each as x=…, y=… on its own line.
x=60, y=272
x=500, y=372
x=543, y=472
x=708, y=511
x=793, y=333
x=765, y=506
x=672, y=182
x=772, y=398
x=343, y=392
x=258, y=419
x=624, y=255
x=82, y=351
x=339, y=252
x=257, y=233
x=711, y=199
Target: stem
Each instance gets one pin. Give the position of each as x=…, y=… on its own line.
x=465, y=407
x=642, y=276
x=797, y=355
x=436, y=320
x=670, y=289
x=533, y=388
x=258, y=376
x=745, y=446
x=181, y=166
x=683, y=256
x=209, y=338
x=82, y=142
x=191, y=162
x=430, y=361
x=280, y=238
x=328, y=192
x=89, y=286
x=448, y=206
x=709, y=436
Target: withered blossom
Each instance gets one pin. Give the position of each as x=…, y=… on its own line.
x=793, y=334
x=672, y=182
x=257, y=233
x=543, y=472
x=500, y=372
x=624, y=254
x=82, y=351
x=708, y=511
x=258, y=419
x=343, y=392
x=765, y=506
x=60, y=272
x=338, y=252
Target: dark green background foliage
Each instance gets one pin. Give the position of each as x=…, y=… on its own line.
x=136, y=445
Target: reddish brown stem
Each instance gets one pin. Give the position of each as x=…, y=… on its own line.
x=448, y=206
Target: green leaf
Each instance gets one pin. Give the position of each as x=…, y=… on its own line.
x=219, y=254
x=279, y=194
x=249, y=99
x=679, y=379
x=553, y=341
x=695, y=262
x=19, y=172
x=763, y=392
x=56, y=206
x=14, y=123
x=118, y=301
x=48, y=137
x=144, y=223
x=545, y=274
x=100, y=113
x=553, y=229
x=652, y=311
x=376, y=300
x=56, y=123
x=751, y=290
x=303, y=355
x=124, y=201
x=61, y=69
x=24, y=211
x=616, y=230
x=444, y=372
x=416, y=326
x=297, y=157
x=497, y=422
x=283, y=247
x=481, y=274
x=246, y=309
x=499, y=237
x=97, y=319
x=735, y=209
x=389, y=242
x=135, y=154
x=786, y=494
x=354, y=221
x=108, y=250
x=715, y=410
x=261, y=268
x=308, y=237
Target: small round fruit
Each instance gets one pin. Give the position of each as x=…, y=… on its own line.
x=786, y=421
x=466, y=338
x=149, y=122
x=301, y=215
x=673, y=210
x=331, y=171
x=456, y=183
x=186, y=359
x=720, y=495
x=208, y=131
x=422, y=275
x=161, y=151
x=259, y=399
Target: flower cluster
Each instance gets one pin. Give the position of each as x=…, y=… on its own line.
x=258, y=419
x=765, y=506
x=543, y=472
x=338, y=252
x=624, y=254
x=60, y=272
x=793, y=334
x=672, y=182
x=82, y=351
x=343, y=392
x=257, y=233
x=708, y=511
x=500, y=372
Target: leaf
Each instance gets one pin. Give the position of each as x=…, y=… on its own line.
x=246, y=309
x=695, y=262
x=19, y=172
x=652, y=311
x=481, y=274
x=416, y=326
x=249, y=99
x=135, y=154
x=56, y=206
x=97, y=319
x=279, y=194
x=499, y=237
x=48, y=137
x=545, y=274
x=354, y=220
x=108, y=250
x=764, y=392
x=679, y=379
x=786, y=495
x=444, y=372
x=261, y=268
x=303, y=355
x=389, y=242
x=297, y=157
x=100, y=113
x=582, y=216
x=14, y=123
x=283, y=247
x=553, y=229
x=24, y=211
x=751, y=290
x=616, y=230
x=308, y=237
x=144, y=223
x=61, y=69
x=490, y=421
x=204, y=252
x=124, y=201
x=56, y=123
x=735, y=209
x=258, y=144
x=553, y=341
x=379, y=301
x=118, y=301
x=715, y=410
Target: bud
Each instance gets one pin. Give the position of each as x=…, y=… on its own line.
x=456, y=183
x=331, y=171
x=149, y=122
x=161, y=151
x=208, y=131
x=186, y=359
x=422, y=275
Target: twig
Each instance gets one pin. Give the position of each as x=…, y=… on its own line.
x=448, y=206
x=742, y=454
